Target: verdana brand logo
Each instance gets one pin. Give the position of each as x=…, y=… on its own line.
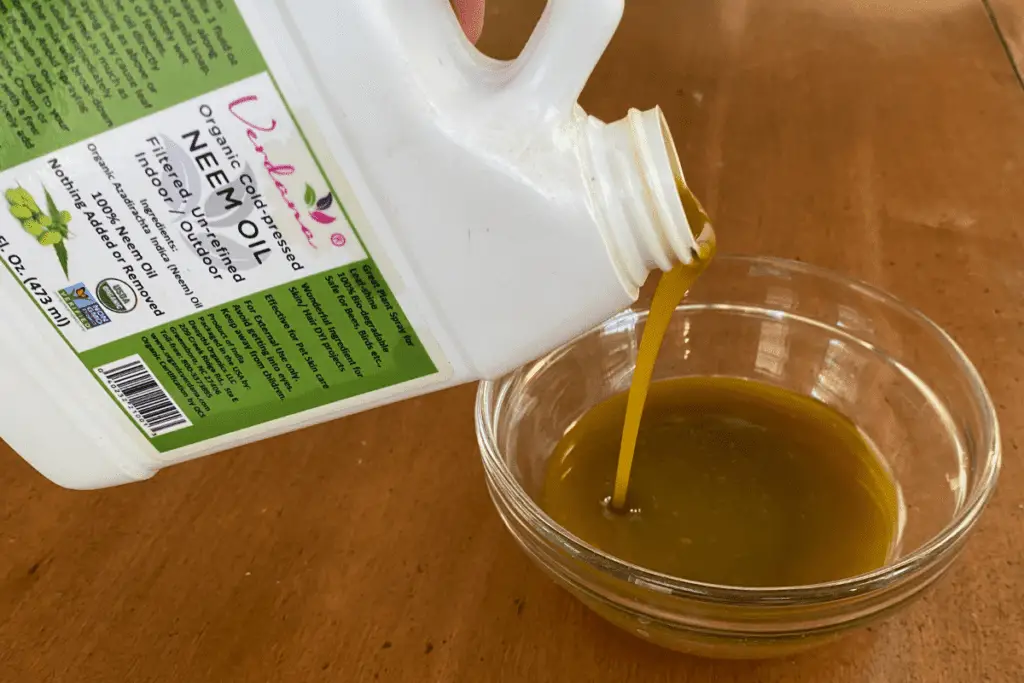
x=316, y=209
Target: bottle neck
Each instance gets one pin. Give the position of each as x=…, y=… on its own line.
x=637, y=185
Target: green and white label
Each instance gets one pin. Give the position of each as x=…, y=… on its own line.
x=166, y=213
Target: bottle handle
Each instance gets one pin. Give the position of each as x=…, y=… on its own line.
x=546, y=78
x=563, y=50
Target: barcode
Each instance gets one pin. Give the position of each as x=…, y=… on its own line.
x=142, y=395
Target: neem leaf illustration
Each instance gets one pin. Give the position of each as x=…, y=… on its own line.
x=310, y=196
x=321, y=217
x=51, y=206
x=62, y=256
x=325, y=202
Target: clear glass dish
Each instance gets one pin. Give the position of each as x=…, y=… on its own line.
x=900, y=378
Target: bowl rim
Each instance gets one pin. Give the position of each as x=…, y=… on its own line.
x=927, y=555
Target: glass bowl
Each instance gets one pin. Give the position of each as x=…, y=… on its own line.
x=899, y=377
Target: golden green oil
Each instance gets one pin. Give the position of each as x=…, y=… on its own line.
x=734, y=482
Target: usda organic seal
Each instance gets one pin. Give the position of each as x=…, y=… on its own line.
x=116, y=296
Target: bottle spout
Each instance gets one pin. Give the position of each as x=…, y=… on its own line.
x=649, y=216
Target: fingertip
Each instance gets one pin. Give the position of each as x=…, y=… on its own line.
x=471, y=17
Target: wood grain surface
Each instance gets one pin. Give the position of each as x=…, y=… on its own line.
x=881, y=138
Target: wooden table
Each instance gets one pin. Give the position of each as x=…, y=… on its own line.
x=882, y=138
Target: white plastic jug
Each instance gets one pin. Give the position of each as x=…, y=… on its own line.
x=230, y=220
